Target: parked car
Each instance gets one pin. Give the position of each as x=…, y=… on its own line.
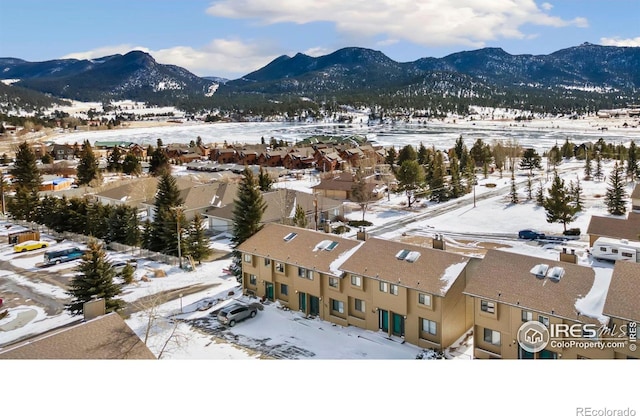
x=119, y=266
x=530, y=234
x=30, y=245
x=234, y=313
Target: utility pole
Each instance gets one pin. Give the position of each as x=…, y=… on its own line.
x=178, y=211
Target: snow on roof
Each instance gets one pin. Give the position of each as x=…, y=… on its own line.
x=450, y=274
x=335, y=265
x=593, y=303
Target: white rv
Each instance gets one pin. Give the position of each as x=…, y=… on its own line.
x=616, y=249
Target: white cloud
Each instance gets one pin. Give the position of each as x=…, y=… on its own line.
x=317, y=51
x=429, y=23
x=616, y=41
x=229, y=58
x=546, y=6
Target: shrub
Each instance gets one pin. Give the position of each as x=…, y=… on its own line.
x=359, y=223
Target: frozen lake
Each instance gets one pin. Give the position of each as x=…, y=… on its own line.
x=539, y=134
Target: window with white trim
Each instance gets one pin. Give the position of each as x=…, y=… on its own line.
x=267, y=261
x=248, y=258
x=284, y=289
x=356, y=280
x=424, y=299
x=358, y=305
x=279, y=267
x=305, y=273
x=428, y=326
x=393, y=289
x=544, y=320
x=333, y=282
x=384, y=287
x=253, y=280
x=491, y=336
x=487, y=306
x=337, y=306
x=527, y=316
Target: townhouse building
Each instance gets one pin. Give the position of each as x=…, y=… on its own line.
x=410, y=292
x=621, y=306
x=511, y=289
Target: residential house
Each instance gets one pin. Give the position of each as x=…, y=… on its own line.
x=621, y=306
x=272, y=158
x=133, y=193
x=281, y=206
x=329, y=161
x=635, y=198
x=63, y=151
x=341, y=186
x=412, y=292
x=511, y=289
x=105, y=337
x=628, y=229
x=299, y=158
x=224, y=155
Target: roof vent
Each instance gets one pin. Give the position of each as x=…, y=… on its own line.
x=402, y=254
x=408, y=255
x=326, y=245
x=555, y=274
x=539, y=270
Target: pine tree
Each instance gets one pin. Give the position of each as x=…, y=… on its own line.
x=113, y=163
x=264, y=180
x=632, y=161
x=598, y=173
x=616, y=194
x=408, y=152
x=88, y=165
x=559, y=204
x=131, y=165
x=455, y=184
x=529, y=188
x=300, y=217
x=437, y=185
x=422, y=154
x=410, y=177
x=168, y=217
x=123, y=225
x=390, y=158
x=94, y=280
x=530, y=160
x=469, y=173
x=159, y=162
x=26, y=182
x=540, y=195
x=198, y=243
x=249, y=206
x=587, y=167
x=127, y=274
x=514, y=191
x=577, y=196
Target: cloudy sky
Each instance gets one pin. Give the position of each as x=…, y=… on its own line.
x=231, y=38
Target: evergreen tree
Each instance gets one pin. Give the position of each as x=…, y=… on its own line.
x=530, y=160
x=159, y=162
x=436, y=184
x=26, y=182
x=300, y=217
x=616, y=194
x=94, y=280
x=632, y=161
x=46, y=159
x=123, y=225
x=408, y=152
x=113, y=163
x=598, y=173
x=422, y=154
x=567, y=149
x=529, y=188
x=459, y=147
x=131, y=165
x=88, y=165
x=559, y=204
x=587, y=167
x=554, y=156
x=361, y=191
x=168, y=217
x=577, y=196
x=249, y=206
x=127, y=274
x=540, y=195
x=499, y=156
x=481, y=153
x=514, y=190
x=390, y=158
x=198, y=243
x=264, y=180
x=469, y=173
x=410, y=177
x=455, y=183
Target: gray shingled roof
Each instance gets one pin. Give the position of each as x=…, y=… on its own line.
x=105, y=337
x=622, y=298
x=434, y=271
x=628, y=228
x=506, y=278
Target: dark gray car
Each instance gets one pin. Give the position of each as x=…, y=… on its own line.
x=234, y=313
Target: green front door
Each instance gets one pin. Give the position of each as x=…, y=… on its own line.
x=398, y=324
x=383, y=320
x=302, y=300
x=269, y=290
x=314, y=306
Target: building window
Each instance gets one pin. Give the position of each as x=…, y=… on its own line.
x=491, y=336
x=544, y=320
x=267, y=261
x=253, y=280
x=333, y=282
x=393, y=289
x=527, y=316
x=356, y=280
x=279, y=267
x=337, y=306
x=428, y=326
x=384, y=287
x=359, y=305
x=486, y=306
x=424, y=299
x=305, y=273
x=284, y=289
x=247, y=258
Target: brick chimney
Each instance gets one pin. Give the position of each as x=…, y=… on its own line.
x=568, y=257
